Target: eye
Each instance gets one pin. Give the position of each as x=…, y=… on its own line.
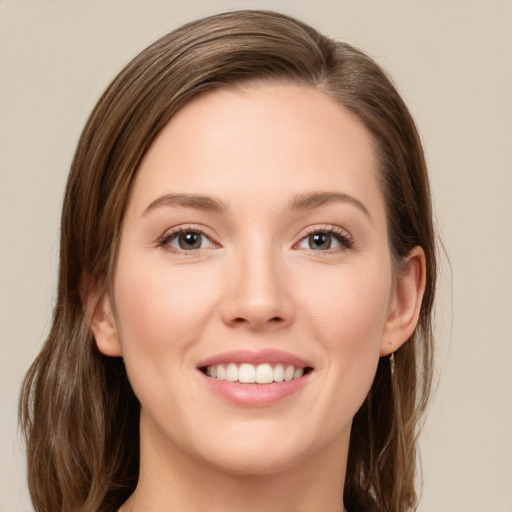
x=186, y=240
x=329, y=239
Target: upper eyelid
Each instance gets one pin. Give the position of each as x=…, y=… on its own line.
x=325, y=228
x=331, y=229
x=182, y=228
x=207, y=232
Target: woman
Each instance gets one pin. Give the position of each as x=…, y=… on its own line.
x=247, y=273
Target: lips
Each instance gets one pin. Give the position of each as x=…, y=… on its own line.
x=255, y=379
x=270, y=356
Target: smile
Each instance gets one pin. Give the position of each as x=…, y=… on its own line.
x=246, y=373
x=262, y=378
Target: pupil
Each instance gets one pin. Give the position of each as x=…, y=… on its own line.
x=189, y=240
x=320, y=241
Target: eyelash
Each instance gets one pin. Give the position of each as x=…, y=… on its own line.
x=168, y=236
x=344, y=238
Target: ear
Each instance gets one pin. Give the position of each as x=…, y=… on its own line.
x=103, y=324
x=405, y=302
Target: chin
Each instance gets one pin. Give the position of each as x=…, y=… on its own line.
x=249, y=463
x=260, y=452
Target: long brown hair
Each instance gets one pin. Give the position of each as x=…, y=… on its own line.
x=78, y=412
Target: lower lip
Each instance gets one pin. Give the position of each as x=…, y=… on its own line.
x=255, y=395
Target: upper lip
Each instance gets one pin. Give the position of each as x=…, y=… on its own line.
x=272, y=356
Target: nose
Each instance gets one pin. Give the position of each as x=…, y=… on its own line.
x=257, y=293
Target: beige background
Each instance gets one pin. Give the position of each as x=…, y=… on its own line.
x=452, y=62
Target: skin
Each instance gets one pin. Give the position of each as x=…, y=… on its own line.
x=254, y=284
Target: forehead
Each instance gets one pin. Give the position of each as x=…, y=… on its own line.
x=261, y=142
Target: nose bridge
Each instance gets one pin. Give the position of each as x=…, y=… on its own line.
x=258, y=294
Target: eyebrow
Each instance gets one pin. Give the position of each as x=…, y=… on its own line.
x=315, y=199
x=307, y=201
x=197, y=202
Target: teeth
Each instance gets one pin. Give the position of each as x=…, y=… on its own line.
x=232, y=372
x=221, y=372
x=288, y=373
x=297, y=374
x=247, y=373
x=264, y=374
x=279, y=373
x=250, y=374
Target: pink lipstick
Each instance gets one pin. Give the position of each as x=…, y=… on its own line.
x=255, y=379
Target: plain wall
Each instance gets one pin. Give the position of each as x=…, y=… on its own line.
x=452, y=62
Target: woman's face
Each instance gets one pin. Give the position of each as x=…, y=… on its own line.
x=254, y=248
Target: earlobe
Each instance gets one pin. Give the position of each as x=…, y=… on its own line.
x=406, y=303
x=103, y=325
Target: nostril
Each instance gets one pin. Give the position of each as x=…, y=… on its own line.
x=256, y=318
x=240, y=320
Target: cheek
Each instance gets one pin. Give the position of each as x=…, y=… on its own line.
x=160, y=315
x=349, y=320
x=159, y=312
x=350, y=306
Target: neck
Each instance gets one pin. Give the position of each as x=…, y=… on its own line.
x=171, y=478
